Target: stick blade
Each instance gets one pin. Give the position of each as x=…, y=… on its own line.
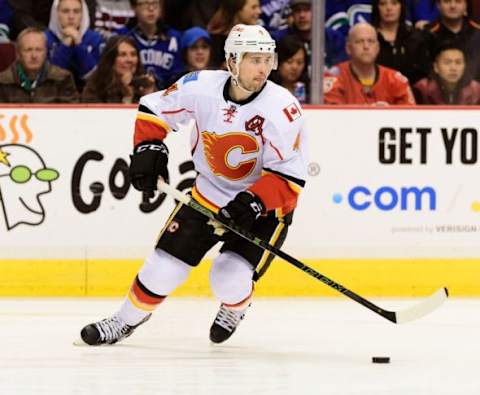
x=426, y=306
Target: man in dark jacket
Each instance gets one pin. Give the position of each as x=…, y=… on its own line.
x=453, y=25
x=31, y=79
x=302, y=28
x=448, y=83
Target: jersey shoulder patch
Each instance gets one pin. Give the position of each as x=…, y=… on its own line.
x=286, y=108
x=193, y=76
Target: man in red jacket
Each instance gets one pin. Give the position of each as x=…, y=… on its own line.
x=360, y=80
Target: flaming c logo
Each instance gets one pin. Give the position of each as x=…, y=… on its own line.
x=228, y=154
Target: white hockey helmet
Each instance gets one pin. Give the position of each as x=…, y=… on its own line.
x=248, y=38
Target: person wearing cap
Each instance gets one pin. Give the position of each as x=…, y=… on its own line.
x=195, y=49
x=196, y=52
x=195, y=45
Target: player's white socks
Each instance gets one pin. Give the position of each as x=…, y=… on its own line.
x=160, y=275
x=231, y=278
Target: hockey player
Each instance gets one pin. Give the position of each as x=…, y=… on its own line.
x=249, y=152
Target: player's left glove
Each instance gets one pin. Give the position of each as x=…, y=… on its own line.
x=243, y=210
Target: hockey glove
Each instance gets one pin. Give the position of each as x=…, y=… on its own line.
x=243, y=210
x=149, y=160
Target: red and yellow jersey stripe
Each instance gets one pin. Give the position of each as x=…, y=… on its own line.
x=148, y=126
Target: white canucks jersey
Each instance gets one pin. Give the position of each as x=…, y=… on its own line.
x=258, y=144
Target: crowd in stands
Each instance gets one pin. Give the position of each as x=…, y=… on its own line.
x=377, y=52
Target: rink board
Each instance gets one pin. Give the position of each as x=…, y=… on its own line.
x=391, y=206
x=372, y=278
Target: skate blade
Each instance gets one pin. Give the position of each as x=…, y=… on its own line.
x=79, y=343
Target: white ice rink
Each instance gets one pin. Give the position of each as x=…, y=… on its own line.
x=284, y=346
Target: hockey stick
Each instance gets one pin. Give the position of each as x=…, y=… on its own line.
x=419, y=310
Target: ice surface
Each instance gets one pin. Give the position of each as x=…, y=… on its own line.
x=284, y=346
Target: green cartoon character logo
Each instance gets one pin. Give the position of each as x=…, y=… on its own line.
x=24, y=177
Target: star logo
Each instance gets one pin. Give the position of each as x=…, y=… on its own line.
x=3, y=158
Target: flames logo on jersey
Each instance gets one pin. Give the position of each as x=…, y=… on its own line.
x=217, y=150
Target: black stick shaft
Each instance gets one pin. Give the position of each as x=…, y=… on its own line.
x=389, y=315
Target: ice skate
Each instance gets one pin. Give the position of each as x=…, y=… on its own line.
x=108, y=331
x=226, y=323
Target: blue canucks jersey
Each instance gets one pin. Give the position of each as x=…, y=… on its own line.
x=340, y=15
x=160, y=57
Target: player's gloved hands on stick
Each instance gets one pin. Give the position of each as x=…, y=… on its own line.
x=243, y=210
x=149, y=160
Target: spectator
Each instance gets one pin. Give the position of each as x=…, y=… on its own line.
x=111, y=16
x=454, y=25
x=158, y=44
x=302, y=28
x=274, y=14
x=402, y=47
x=230, y=13
x=119, y=76
x=36, y=13
x=5, y=20
x=72, y=45
x=31, y=79
x=449, y=84
x=361, y=80
x=196, y=51
x=292, y=70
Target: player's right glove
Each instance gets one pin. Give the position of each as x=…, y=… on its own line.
x=243, y=210
x=149, y=160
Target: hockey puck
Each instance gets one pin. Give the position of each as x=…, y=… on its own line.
x=381, y=359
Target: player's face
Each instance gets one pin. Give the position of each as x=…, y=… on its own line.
x=250, y=13
x=148, y=12
x=363, y=46
x=32, y=52
x=255, y=69
x=69, y=13
x=291, y=69
x=302, y=17
x=198, y=55
x=450, y=66
x=126, y=60
x=452, y=9
x=389, y=10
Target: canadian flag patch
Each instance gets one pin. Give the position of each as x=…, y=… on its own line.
x=292, y=112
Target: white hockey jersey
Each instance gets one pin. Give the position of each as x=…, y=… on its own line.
x=258, y=144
